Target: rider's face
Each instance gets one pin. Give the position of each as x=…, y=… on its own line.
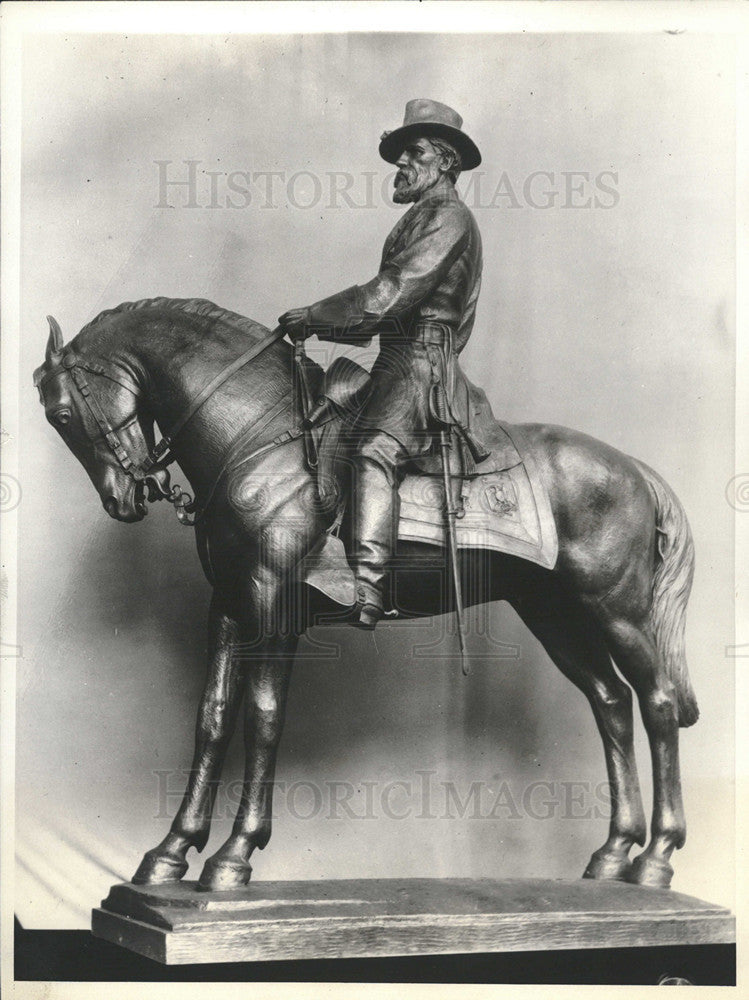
x=418, y=170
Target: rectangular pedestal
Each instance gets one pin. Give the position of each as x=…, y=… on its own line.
x=265, y=921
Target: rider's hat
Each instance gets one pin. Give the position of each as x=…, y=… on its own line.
x=430, y=118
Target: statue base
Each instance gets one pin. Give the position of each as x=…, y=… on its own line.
x=178, y=924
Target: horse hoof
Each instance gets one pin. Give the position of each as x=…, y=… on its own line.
x=653, y=872
x=609, y=866
x=157, y=868
x=217, y=876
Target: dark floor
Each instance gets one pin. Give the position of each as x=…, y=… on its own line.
x=76, y=955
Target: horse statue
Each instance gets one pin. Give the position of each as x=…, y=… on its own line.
x=222, y=390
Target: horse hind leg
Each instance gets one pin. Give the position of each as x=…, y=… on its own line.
x=635, y=652
x=575, y=645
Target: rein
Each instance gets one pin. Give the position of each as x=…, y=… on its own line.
x=160, y=456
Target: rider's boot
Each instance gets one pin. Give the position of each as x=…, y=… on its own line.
x=374, y=525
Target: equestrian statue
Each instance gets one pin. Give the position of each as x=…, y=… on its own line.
x=344, y=497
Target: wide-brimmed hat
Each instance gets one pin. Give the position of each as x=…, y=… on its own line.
x=430, y=118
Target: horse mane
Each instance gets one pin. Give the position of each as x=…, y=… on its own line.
x=193, y=307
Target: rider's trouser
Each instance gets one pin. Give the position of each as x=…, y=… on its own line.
x=399, y=426
x=378, y=470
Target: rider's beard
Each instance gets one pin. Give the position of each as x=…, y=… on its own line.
x=411, y=182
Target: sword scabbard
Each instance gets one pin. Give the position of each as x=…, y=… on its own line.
x=452, y=545
x=305, y=399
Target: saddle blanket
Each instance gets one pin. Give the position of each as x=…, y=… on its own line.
x=502, y=512
x=505, y=510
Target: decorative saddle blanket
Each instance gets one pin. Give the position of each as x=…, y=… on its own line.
x=504, y=506
x=505, y=510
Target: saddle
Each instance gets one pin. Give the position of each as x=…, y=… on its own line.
x=503, y=505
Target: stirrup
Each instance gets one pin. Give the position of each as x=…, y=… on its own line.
x=368, y=616
x=368, y=610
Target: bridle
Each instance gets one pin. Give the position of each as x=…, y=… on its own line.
x=160, y=456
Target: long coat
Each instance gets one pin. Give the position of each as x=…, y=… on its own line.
x=429, y=280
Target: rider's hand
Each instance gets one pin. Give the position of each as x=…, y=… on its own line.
x=295, y=323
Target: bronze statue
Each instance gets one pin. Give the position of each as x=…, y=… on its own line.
x=224, y=392
x=422, y=304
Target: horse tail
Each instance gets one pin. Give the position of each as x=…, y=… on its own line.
x=672, y=583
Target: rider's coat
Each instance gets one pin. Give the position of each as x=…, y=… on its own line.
x=422, y=304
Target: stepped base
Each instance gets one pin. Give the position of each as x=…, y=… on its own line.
x=264, y=921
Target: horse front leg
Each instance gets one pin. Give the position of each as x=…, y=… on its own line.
x=267, y=682
x=215, y=723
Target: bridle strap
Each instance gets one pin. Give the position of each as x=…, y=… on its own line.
x=71, y=360
x=108, y=432
x=158, y=456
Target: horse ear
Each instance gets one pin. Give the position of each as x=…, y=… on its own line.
x=55, y=342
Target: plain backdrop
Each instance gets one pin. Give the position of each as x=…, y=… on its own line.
x=610, y=312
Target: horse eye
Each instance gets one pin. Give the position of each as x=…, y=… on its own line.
x=61, y=418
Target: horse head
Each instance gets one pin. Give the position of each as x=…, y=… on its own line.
x=93, y=405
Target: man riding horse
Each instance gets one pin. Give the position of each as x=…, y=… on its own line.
x=422, y=304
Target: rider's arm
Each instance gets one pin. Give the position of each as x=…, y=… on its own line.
x=404, y=280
